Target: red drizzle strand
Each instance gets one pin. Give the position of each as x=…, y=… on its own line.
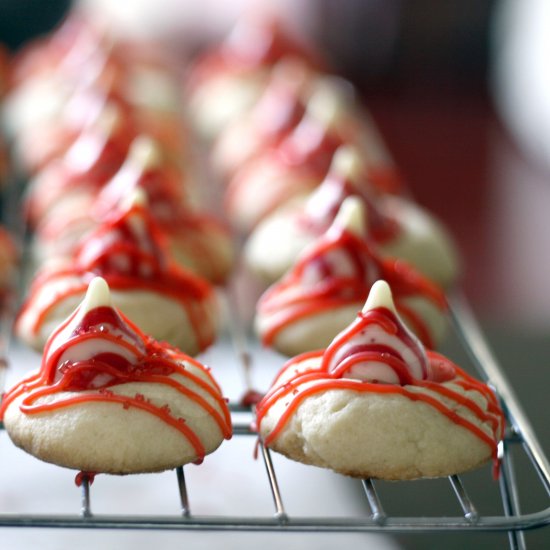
x=128, y=259
x=303, y=384
x=95, y=379
x=322, y=206
x=294, y=299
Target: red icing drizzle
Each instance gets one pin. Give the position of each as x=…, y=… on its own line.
x=278, y=111
x=45, y=143
x=93, y=158
x=155, y=363
x=309, y=147
x=337, y=291
x=389, y=323
x=161, y=183
x=320, y=380
x=98, y=155
x=190, y=231
x=143, y=265
x=321, y=208
x=82, y=476
x=301, y=159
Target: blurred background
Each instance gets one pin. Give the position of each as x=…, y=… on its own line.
x=461, y=93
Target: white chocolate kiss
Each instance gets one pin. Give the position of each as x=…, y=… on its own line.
x=98, y=295
x=409, y=349
x=145, y=155
x=135, y=199
x=292, y=72
x=326, y=105
x=346, y=166
x=380, y=295
x=347, y=163
x=352, y=217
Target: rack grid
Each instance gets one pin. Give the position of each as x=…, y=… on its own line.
x=519, y=435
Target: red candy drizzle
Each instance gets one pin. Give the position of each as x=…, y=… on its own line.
x=128, y=251
x=319, y=380
x=333, y=290
x=389, y=323
x=167, y=205
x=301, y=160
x=94, y=379
x=323, y=205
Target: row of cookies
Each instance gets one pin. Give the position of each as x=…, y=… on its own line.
x=288, y=160
x=126, y=260
x=357, y=270
x=321, y=168
x=108, y=166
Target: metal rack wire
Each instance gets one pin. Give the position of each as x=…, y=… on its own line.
x=512, y=521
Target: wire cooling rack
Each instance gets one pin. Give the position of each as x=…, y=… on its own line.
x=519, y=440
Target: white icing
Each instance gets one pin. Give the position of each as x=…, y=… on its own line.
x=97, y=295
x=351, y=217
x=380, y=295
x=411, y=351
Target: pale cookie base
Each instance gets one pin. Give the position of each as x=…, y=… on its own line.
x=310, y=333
x=235, y=146
x=276, y=242
x=107, y=438
x=380, y=436
x=424, y=242
x=262, y=186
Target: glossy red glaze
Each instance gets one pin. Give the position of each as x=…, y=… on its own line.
x=319, y=380
x=322, y=206
x=333, y=290
x=94, y=379
x=128, y=251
